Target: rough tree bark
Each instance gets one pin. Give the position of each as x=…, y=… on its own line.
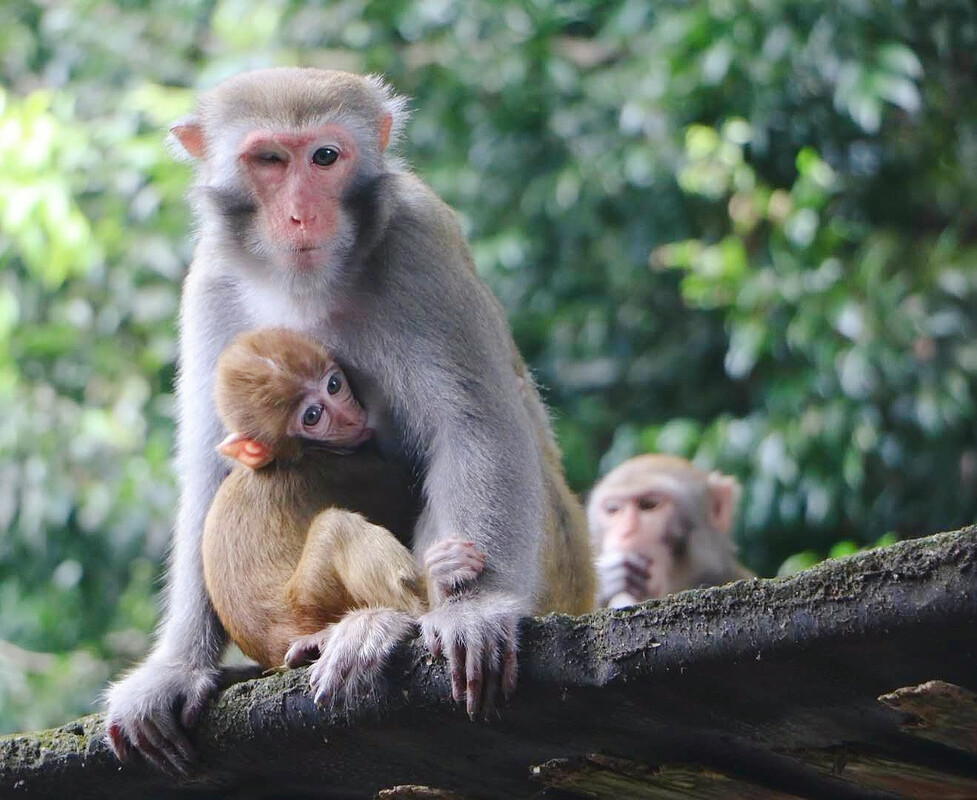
x=764, y=688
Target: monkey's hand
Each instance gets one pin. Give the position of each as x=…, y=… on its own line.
x=451, y=564
x=622, y=573
x=350, y=654
x=479, y=636
x=150, y=709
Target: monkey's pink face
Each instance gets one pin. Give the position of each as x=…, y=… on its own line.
x=298, y=180
x=635, y=522
x=329, y=413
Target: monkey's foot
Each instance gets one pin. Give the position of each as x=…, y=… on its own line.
x=479, y=635
x=352, y=652
x=150, y=709
x=450, y=564
x=307, y=649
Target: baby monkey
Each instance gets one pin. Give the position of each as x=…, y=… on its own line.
x=311, y=524
x=660, y=526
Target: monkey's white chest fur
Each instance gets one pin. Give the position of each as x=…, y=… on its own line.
x=271, y=307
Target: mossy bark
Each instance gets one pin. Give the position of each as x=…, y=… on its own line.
x=743, y=681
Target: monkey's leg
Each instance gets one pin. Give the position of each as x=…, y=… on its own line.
x=381, y=583
x=351, y=561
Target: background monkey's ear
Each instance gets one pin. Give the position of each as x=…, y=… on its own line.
x=246, y=451
x=724, y=498
x=189, y=133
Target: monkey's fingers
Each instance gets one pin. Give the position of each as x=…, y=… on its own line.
x=448, y=574
x=331, y=673
x=477, y=652
x=457, y=562
x=510, y=644
x=119, y=742
x=167, y=747
x=307, y=649
x=498, y=670
x=613, y=581
x=456, y=666
x=151, y=753
x=624, y=559
x=195, y=699
x=623, y=572
x=451, y=555
x=432, y=641
x=493, y=678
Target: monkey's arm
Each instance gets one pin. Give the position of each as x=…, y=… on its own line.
x=484, y=484
x=148, y=706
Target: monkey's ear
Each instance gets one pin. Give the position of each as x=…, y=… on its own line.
x=190, y=134
x=385, y=125
x=246, y=451
x=724, y=497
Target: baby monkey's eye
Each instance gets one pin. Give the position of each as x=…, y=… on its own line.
x=312, y=415
x=648, y=503
x=334, y=384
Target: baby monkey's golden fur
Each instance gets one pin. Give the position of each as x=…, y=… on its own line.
x=293, y=546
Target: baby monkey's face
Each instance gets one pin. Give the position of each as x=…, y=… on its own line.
x=329, y=413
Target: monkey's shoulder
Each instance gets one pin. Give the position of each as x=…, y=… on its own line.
x=418, y=216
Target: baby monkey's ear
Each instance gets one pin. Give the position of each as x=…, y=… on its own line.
x=246, y=451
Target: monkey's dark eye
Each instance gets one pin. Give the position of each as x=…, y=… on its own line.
x=334, y=384
x=312, y=415
x=325, y=156
x=648, y=503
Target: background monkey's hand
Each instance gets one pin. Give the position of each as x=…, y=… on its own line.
x=150, y=709
x=622, y=573
x=479, y=637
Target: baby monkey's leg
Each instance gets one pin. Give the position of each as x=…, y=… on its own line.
x=376, y=579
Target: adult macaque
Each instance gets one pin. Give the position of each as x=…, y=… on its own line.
x=660, y=526
x=305, y=221
x=284, y=552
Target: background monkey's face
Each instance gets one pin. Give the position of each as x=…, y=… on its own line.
x=635, y=519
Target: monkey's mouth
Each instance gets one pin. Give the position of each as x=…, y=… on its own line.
x=304, y=257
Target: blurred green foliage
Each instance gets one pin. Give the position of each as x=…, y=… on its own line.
x=744, y=231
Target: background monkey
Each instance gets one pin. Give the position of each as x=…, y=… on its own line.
x=660, y=526
x=305, y=221
x=284, y=551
